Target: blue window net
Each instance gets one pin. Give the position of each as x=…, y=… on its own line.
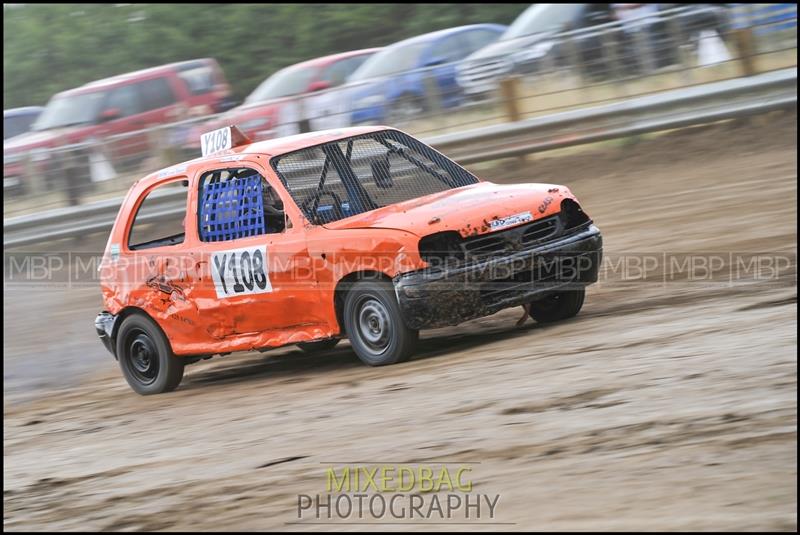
x=231, y=209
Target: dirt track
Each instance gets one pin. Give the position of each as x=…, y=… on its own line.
x=661, y=406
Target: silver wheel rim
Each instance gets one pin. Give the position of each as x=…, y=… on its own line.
x=374, y=325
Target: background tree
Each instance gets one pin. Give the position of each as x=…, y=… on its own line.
x=50, y=48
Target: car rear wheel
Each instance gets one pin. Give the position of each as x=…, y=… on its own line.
x=406, y=108
x=375, y=326
x=319, y=345
x=145, y=357
x=559, y=306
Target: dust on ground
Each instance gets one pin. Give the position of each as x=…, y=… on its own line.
x=663, y=405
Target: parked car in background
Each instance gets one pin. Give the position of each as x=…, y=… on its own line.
x=396, y=83
x=530, y=45
x=119, y=105
x=273, y=108
x=17, y=121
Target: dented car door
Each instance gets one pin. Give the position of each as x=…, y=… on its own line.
x=257, y=286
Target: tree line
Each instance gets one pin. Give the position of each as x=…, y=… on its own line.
x=50, y=48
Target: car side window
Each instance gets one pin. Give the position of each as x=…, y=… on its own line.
x=449, y=49
x=125, y=99
x=336, y=73
x=354, y=63
x=198, y=77
x=156, y=93
x=238, y=203
x=477, y=39
x=155, y=227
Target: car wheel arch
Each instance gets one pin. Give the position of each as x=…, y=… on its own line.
x=343, y=286
x=131, y=311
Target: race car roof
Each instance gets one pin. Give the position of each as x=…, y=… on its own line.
x=270, y=148
x=274, y=147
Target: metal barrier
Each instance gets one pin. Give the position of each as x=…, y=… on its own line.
x=672, y=109
x=582, y=69
x=714, y=101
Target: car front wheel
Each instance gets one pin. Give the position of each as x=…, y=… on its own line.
x=375, y=326
x=559, y=306
x=406, y=108
x=145, y=357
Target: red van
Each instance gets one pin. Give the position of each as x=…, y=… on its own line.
x=118, y=105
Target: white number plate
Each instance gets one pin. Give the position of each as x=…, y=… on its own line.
x=216, y=141
x=510, y=221
x=241, y=272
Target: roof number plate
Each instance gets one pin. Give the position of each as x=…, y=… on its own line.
x=216, y=141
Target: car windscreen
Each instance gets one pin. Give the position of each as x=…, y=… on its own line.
x=389, y=61
x=543, y=18
x=70, y=110
x=284, y=83
x=358, y=174
x=199, y=79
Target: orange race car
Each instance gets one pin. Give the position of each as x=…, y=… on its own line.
x=365, y=233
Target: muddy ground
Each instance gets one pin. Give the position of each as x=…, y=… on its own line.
x=670, y=402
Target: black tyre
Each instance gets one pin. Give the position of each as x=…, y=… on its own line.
x=559, y=306
x=406, y=108
x=375, y=326
x=319, y=345
x=146, y=357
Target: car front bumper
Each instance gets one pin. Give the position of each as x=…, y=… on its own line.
x=438, y=297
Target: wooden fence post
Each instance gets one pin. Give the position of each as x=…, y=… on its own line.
x=743, y=38
x=509, y=88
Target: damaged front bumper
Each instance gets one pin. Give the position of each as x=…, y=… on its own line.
x=104, y=324
x=448, y=296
